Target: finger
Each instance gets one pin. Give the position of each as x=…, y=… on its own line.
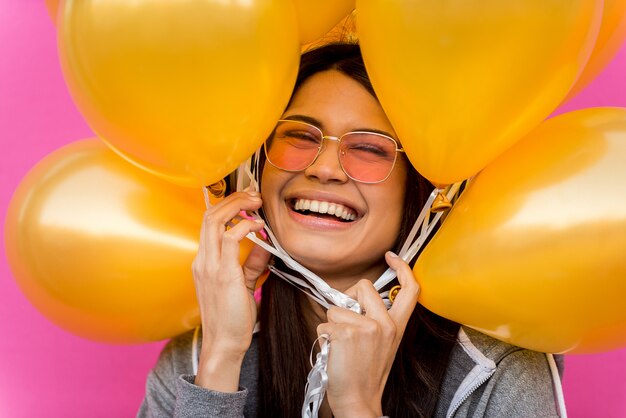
x=218, y=216
x=406, y=299
x=210, y=236
x=255, y=265
x=199, y=260
x=231, y=206
x=231, y=241
x=336, y=315
x=368, y=297
x=324, y=332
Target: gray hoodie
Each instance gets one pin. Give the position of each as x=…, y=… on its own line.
x=485, y=378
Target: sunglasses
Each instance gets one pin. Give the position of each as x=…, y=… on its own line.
x=366, y=157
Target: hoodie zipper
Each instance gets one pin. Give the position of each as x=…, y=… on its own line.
x=484, y=368
x=471, y=390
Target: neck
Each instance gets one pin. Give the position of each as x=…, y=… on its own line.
x=344, y=279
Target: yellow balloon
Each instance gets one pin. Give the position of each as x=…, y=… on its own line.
x=533, y=253
x=462, y=81
x=185, y=89
x=318, y=17
x=103, y=249
x=610, y=39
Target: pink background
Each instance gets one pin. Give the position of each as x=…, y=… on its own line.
x=45, y=371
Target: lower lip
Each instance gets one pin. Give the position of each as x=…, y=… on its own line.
x=313, y=222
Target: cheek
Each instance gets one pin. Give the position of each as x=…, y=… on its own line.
x=272, y=182
x=396, y=188
x=391, y=200
x=268, y=189
x=395, y=208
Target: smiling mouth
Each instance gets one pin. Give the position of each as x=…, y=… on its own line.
x=323, y=209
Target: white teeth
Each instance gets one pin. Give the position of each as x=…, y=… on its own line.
x=335, y=209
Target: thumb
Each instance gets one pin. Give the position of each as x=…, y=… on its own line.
x=406, y=299
x=255, y=265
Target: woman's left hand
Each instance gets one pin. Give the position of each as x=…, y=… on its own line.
x=363, y=347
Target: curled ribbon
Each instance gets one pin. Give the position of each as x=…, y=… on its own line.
x=317, y=380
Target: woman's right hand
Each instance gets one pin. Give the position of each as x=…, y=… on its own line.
x=225, y=291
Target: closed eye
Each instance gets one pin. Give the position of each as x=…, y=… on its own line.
x=364, y=149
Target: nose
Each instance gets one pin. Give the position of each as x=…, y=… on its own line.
x=326, y=168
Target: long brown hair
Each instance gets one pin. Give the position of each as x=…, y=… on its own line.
x=412, y=388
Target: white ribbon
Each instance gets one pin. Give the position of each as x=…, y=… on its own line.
x=317, y=380
x=317, y=289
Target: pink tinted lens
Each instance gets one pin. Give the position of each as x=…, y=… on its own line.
x=367, y=157
x=293, y=146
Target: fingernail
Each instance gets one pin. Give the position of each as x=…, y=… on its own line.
x=392, y=254
x=259, y=221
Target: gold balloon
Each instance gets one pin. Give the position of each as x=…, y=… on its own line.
x=103, y=249
x=185, y=89
x=533, y=252
x=462, y=81
x=318, y=17
x=610, y=39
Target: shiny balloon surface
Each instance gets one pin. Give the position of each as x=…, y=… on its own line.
x=103, y=249
x=184, y=89
x=533, y=252
x=463, y=81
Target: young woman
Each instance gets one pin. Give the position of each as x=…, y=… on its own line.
x=339, y=209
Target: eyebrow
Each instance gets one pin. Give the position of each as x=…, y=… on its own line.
x=307, y=119
x=320, y=125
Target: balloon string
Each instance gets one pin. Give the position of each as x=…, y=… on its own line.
x=205, y=192
x=317, y=380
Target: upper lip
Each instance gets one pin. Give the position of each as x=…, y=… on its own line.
x=325, y=197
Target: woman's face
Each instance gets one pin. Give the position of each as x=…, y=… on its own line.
x=325, y=244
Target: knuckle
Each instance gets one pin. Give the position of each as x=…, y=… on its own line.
x=201, y=271
x=350, y=333
x=332, y=313
x=194, y=270
x=197, y=266
x=390, y=331
x=372, y=328
x=248, y=224
x=365, y=284
x=230, y=237
x=247, y=195
x=208, y=214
